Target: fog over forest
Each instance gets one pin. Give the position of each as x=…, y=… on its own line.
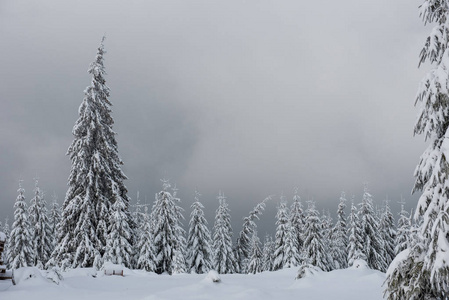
x=252, y=98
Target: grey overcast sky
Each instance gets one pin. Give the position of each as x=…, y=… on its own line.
x=253, y=97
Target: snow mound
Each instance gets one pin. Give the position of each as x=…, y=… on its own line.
x=212, y=276
x=359, y=264
x=112, y=269
x=29, y=274
x=55, y=275
x=80, y=272
x=307, y=270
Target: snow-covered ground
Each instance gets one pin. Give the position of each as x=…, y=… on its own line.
x=78, y=284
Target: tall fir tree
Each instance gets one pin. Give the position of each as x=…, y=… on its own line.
x=39, y=228
x=282, y=235
x=255, y=263
x=339, y=237
x=268, y=253
x=424, y=271
x=167, y=233
x=199, y=256
x=54, y=218
x=96, y=179
x=403, y=230
x=244, y=240
x=6, y=231
x=292, y=256
x=20, y=251
x=327, y=226
x=138, y=214
x=181, y=251
x=314, y=251
x=355, y=239
x=118, y=246
x=297, y=221
x=224, y=260
x=373, y=245
x=388, y=233
x=146, y=253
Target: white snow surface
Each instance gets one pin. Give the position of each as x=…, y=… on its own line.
x=348, y=284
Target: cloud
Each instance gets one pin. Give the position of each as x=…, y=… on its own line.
x=251, y=97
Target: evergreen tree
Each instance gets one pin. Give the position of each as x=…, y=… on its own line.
x=255, y=263
x=282, y=235
x=146, y=259
x=423, y=271
x=180, y=255
x=224, y=260
x=244, y=240
x=355, y=240
x=138, y=219
x=96, y=179
x=138, y=215
x=339, y=237
x=39, y=228
x=297, y=221
x=199, y=256
x=268, y=254
x=118, y=247
x=372, y=241
x=326, y=227
x=314, y=251
x=20, y=251
x=167, y=230
x=403, y=232
x=179, y=263
x=6, y=228
x=54, y=219
x=388, y=233
x=292, y=256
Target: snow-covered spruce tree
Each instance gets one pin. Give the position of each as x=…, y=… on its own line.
x=54, y=218
x=138, y=215
x=118, y=247
x=422, y=270
x=388, y=233
x=373, y=245
x=96, y=179
x=6, y=228
x=327, y=225
x=268, y=254
x=167, y=231
x=339, y=241
x=180, y=256
x=282, y=234
x=403, y=230
x=146, y=254
x=39, y=228
x=255, y=263
x=20, y=251
x=179, y=263
x=244, y=240
x=199, y=256
x=355, y=240
x=6, y=231
x=314, y=250
x=292, y=257
x=224, y=260
x=297, y=221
